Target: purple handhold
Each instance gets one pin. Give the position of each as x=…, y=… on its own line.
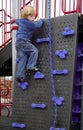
x=65, y=51
x=68, y=31
x=60, y=72
x=23, y=85
x=39, y=75
x=58, y=100
x=17, y=125
x=52, y=128
x=62, y=56
x=34, y=105
x=61, y=53
x=39, y=40
x=57, y=52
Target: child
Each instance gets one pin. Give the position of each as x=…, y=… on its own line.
x=26, y=51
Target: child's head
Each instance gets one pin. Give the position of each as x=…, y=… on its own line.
x=28, y=12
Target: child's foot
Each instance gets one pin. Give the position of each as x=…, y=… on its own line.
x=36, y=69
x=21, y=79
x=33, y=70
x=22, y=83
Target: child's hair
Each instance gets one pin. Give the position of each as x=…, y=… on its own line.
x=27, y=11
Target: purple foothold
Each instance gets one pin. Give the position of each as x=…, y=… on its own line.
x=62, y=129
x=38, y=105
x=57, y=52
x=68, y=31
x=17, y=125
x=39, y=40
x=65, y=71
x=61, y=53
x=60, y=72
x=23, y=85
x=14, y=124
x=39, y=75
x=52, y=128
x=58, y=100
x=22, y=125
x=65, y=51
x=67, y=28
x=62, y=56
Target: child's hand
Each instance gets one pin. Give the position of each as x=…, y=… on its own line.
x=13, y=21
x=42, y=20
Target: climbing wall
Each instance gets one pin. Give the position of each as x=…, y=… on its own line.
x=39, y=91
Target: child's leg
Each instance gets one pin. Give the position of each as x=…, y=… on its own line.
x=33, y=56
x=21, y=65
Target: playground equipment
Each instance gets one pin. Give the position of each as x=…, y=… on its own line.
x=52, y=100
x=40, y=91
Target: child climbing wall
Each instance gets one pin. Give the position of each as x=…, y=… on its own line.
x=26, y=51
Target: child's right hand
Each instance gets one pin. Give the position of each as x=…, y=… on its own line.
x=42, y=20
x=13, y=21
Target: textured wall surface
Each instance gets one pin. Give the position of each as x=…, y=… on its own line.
x=40, y=90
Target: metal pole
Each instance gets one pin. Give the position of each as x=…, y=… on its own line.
x=15, y=14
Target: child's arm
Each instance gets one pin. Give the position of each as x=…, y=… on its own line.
x=13, y=21
x=13, y=27
x=39, y=23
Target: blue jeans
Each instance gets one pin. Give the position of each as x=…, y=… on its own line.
x=27, y=54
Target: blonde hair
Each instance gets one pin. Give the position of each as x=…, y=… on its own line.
x=27, y=11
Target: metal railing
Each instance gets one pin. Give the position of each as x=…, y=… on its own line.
x=73, y=6
x=5, y=26
x=58, y=8
x=5, y=96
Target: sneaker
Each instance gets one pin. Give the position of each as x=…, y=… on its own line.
x=33, y=70
x=36, y=69
x=21, y=79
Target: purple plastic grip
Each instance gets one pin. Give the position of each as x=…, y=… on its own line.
x=61, y=53
x=39, y=75
x=39, y=40
x=68, y=31
x=17, y=125
x=23, y=85
x=34, y=105
x=60, y=72
x=52, y=128
x=58, y=100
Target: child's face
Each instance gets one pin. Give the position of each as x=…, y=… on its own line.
x=31, y=17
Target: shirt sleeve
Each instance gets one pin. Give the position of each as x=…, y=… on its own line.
x=17, y=21
x=13, y=21
x=39, y=23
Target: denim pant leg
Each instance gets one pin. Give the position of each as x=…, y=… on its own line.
x=33, y=56
x=21, y=65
